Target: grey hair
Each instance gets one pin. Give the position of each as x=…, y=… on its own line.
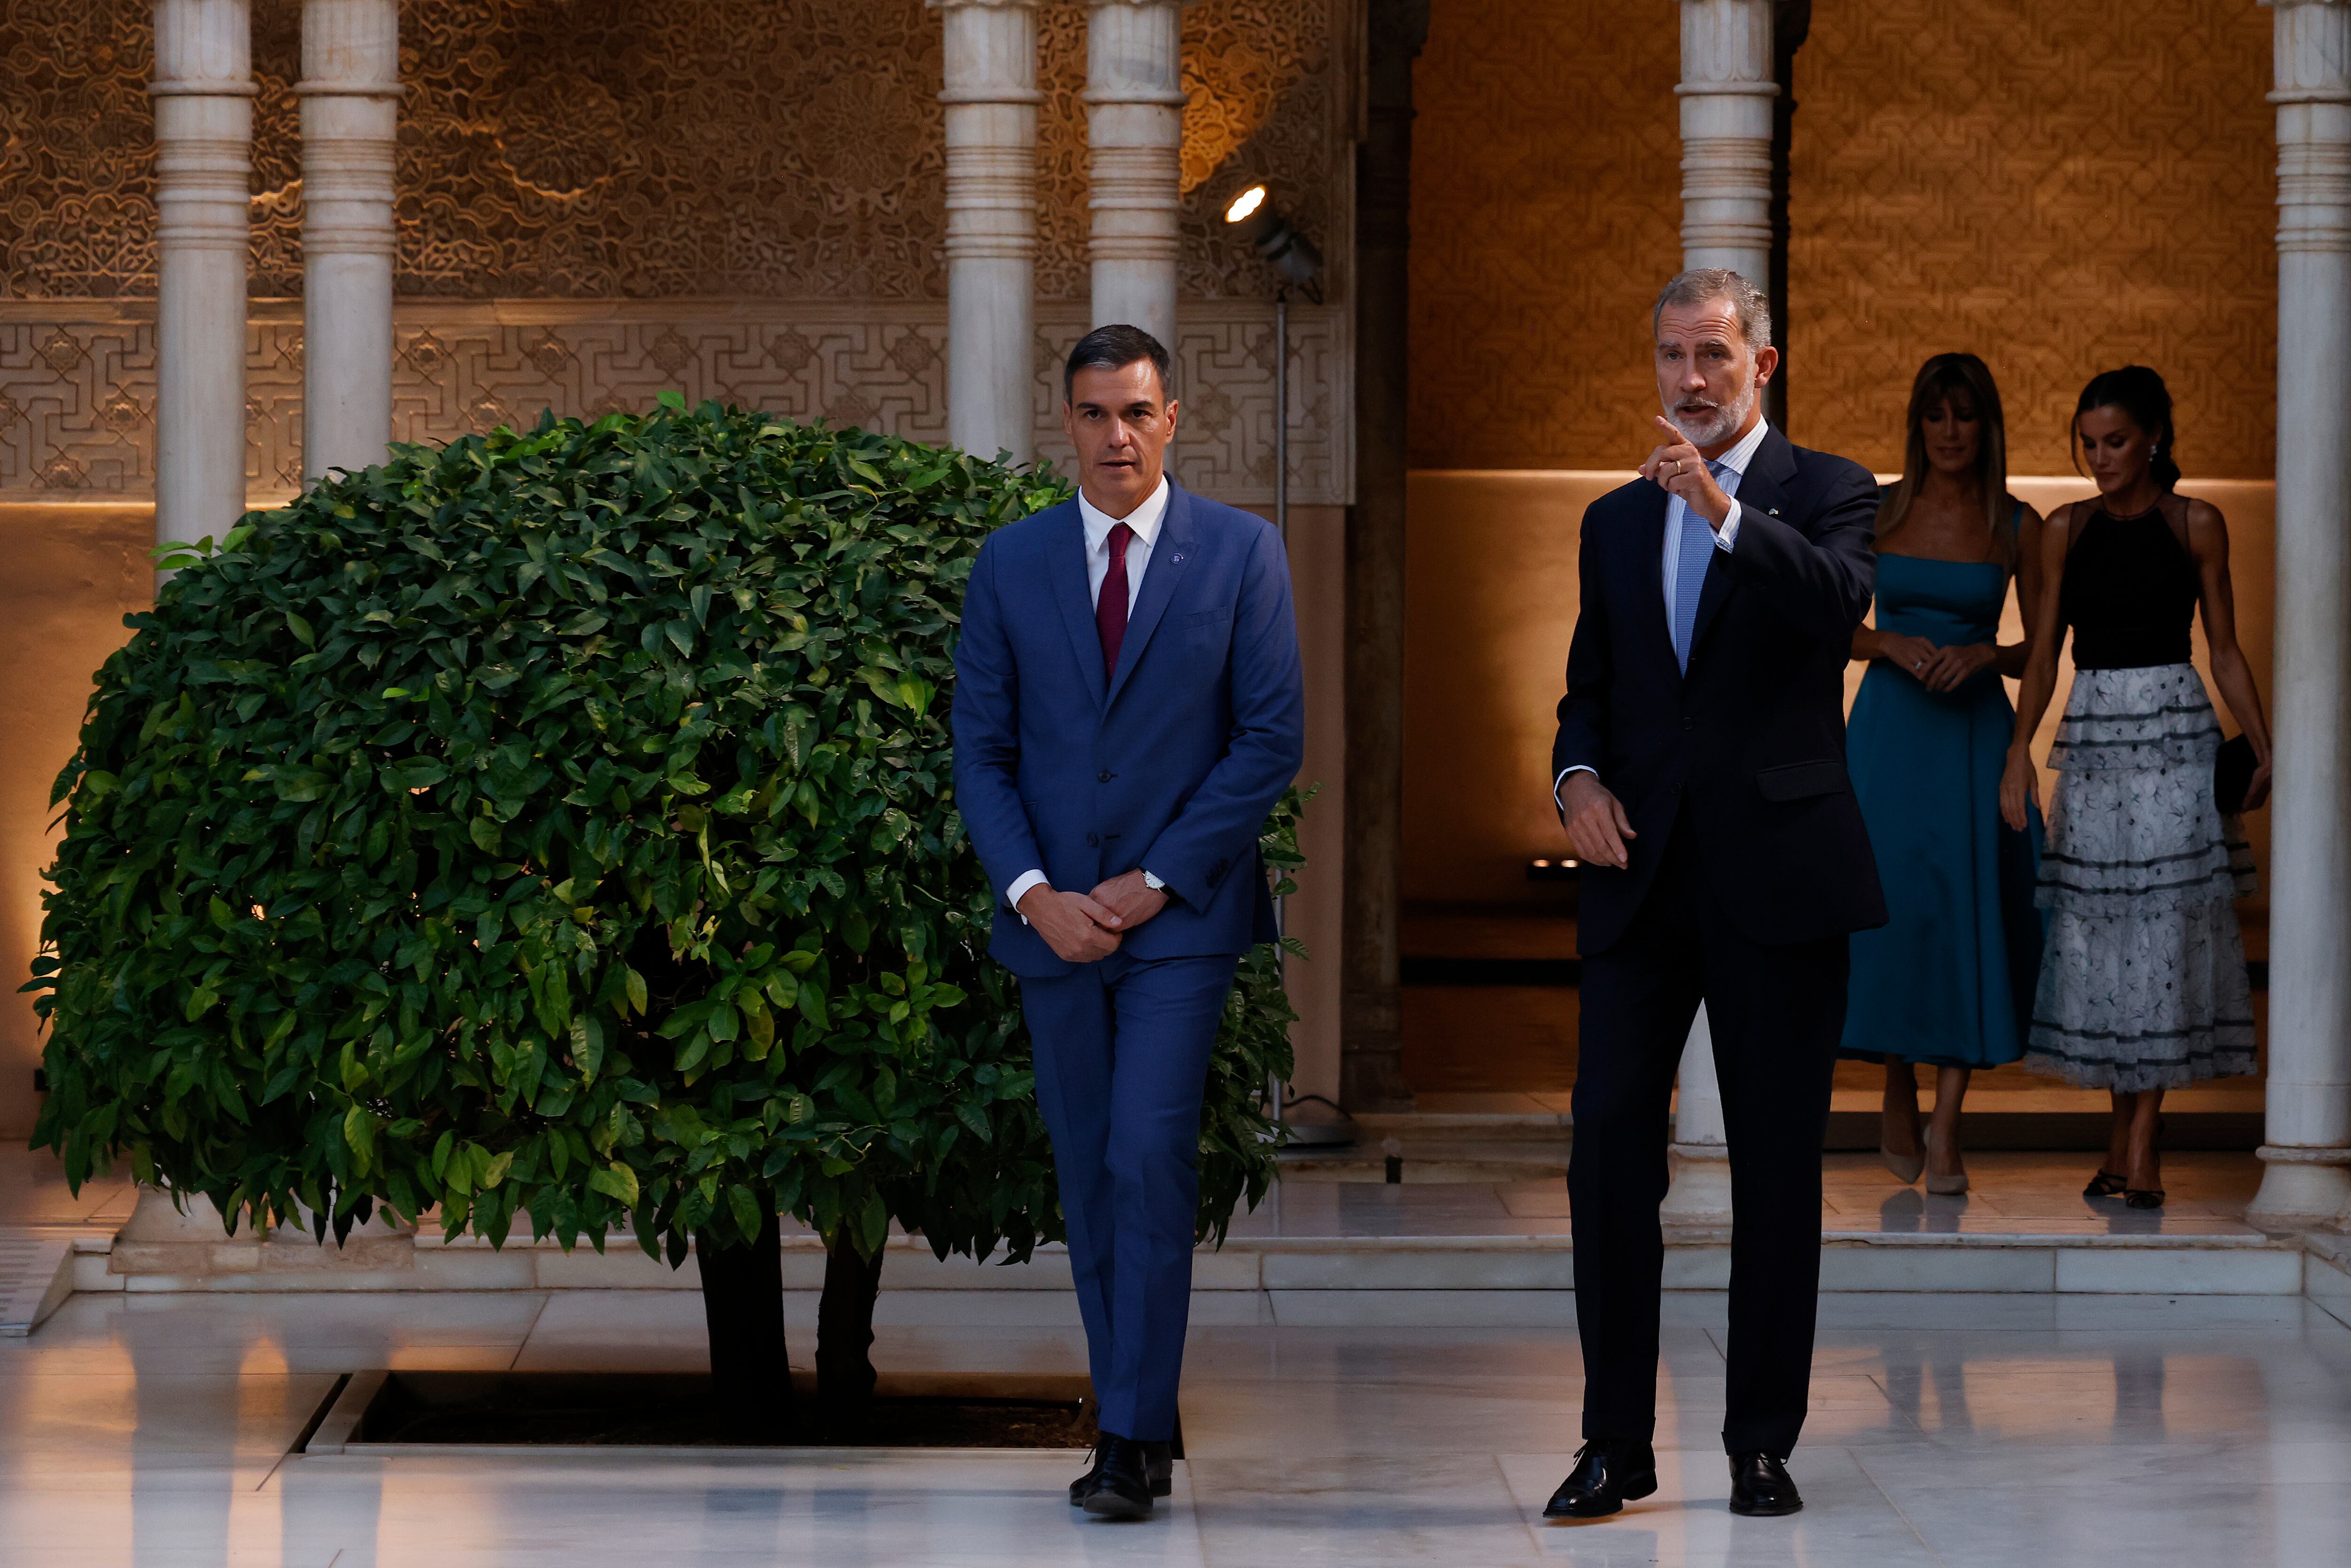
x=1705, y=285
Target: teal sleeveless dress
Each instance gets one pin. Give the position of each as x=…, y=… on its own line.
x=1949, y=979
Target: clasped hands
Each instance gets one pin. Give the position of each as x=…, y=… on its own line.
x=1937, y=669
x=1086, y=927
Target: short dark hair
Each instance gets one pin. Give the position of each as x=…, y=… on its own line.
x=1113, y=349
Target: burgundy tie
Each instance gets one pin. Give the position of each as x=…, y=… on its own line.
x=1110, y=609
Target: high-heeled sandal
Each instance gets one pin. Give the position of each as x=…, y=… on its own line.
x=2105, y=1184
x=2143, y=1197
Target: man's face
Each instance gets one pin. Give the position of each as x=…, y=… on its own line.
x=1708, y=377
x=1120, y=422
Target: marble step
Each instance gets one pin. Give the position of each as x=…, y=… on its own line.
x=2220, y=1259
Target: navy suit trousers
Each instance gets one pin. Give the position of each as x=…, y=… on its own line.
x=1776, y=1014
x=1122, y=1053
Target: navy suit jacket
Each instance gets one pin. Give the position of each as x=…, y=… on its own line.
x=1753, y=735
x=1169, y=764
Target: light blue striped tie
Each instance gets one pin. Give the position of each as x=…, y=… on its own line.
x=1689, y=574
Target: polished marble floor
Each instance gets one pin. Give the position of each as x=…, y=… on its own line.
x=1984, y=1430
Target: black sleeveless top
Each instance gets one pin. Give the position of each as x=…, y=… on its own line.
x=2129, y=592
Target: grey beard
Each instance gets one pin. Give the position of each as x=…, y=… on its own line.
x=1721, y=427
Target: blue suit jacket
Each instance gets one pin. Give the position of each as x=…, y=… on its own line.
x=1169, y=764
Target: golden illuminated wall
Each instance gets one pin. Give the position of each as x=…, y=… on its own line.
x=600, y=200
x=2061, y=188
x=1545, y=213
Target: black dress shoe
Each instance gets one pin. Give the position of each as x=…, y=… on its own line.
x=1122, y=1488
x=1158, y=1466
x=1609, y=1472
x=1760, y=1487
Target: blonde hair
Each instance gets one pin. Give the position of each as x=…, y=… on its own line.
x=1956, y=378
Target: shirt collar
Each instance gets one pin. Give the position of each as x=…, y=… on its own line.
x=1740, y=457
x=1145, y=519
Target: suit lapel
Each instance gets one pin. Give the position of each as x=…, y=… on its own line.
x=1067, y=559
x=1169, y=553
x=1761, y=493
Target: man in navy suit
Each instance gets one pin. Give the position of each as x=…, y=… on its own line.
x=1128, y=709
x=1700, y=769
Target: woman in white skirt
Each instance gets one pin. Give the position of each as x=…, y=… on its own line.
x=2143, y=981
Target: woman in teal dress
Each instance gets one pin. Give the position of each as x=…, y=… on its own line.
x=1949, y=980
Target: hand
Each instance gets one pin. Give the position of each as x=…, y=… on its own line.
x=1911, y=656
x=2020, y=788
x=1129, y=900
x=1596, y=823
x=1074, y=927
x=1952, y=668
x=2258, y=791
x=1677, y=466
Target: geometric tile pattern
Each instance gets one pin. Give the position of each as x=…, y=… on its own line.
x=1545, y=213
x=786, y=149
x=78, y=381
x=2058, y=188
x=2062, y=190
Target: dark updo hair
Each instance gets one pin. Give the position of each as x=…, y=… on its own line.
x=2140, y=392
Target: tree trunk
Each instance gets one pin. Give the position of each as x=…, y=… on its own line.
x=844, y=1334
x=743, y=1304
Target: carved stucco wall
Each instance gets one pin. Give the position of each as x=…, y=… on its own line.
x=2060, y=188
x=580, y=180
x=1545, y=212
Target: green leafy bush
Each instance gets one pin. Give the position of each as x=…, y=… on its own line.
x=556, y=828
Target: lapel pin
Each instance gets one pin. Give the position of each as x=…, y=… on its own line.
x=1175, y=559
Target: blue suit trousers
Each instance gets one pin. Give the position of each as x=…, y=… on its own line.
x=1121, y=1053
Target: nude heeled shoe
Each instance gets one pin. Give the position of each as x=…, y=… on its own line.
x=1944, y=1186
x=1906, y=1167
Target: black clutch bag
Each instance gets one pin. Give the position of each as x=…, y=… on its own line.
x=2233, y=775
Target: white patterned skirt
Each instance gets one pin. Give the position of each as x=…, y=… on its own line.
x=2143, y=983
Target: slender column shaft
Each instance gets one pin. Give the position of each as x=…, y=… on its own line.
x=1134, y=131
x=203, y=92
x=350, y=105
x=2308, y=1131
x=991, y=101
x=1726, y=93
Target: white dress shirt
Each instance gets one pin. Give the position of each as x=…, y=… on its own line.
x=1145, y=520
x=1733, y=464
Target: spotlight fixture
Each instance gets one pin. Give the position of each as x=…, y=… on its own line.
x=1277, y=240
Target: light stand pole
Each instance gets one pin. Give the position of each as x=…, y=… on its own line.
x=1295, y=262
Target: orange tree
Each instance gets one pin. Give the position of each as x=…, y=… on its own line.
x=555, y=829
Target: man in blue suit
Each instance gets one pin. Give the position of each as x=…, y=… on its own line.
x=1128, y=708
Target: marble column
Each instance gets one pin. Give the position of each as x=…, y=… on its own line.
x=1135, y=129
x=1728, y=88
x=1701, y=1157
x=991, y=101
x=204, y=91
x=1726, y=93
x=2307, y=1135
x=350, y=104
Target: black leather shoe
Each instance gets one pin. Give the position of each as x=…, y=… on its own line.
x=1609, y=1472
x=1122, y=1488
x=1158, y=1466
x=1760, y=1487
